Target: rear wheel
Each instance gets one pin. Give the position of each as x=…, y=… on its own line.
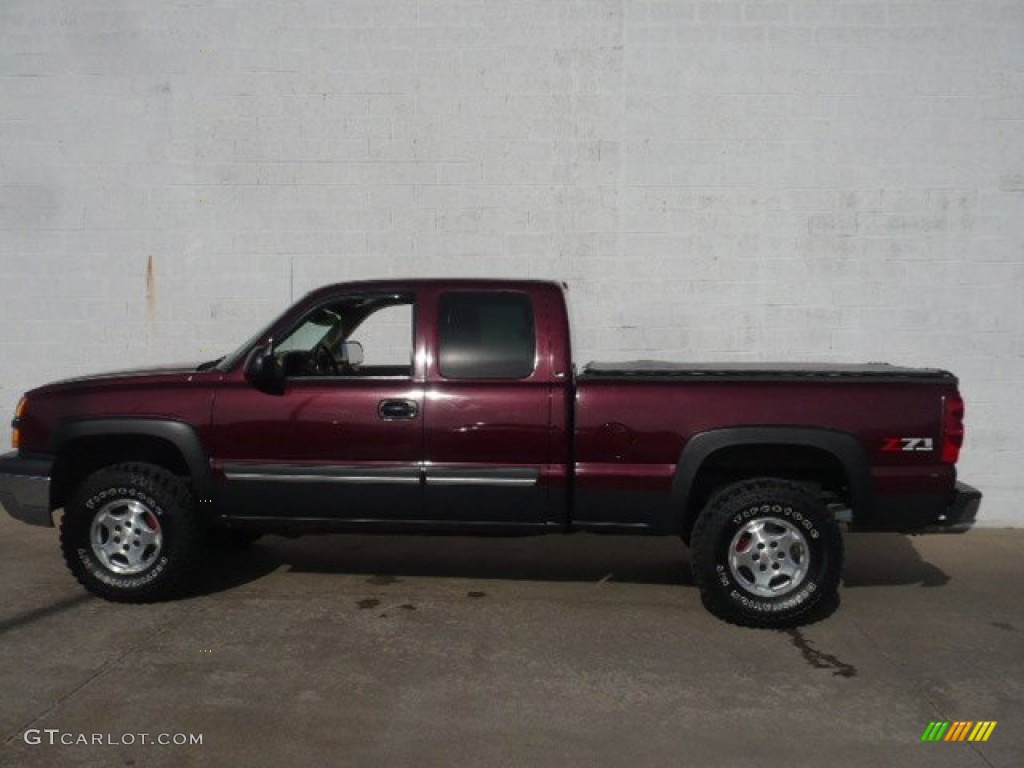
x=131, y=533
x=766, y=553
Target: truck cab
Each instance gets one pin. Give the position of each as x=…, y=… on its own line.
x=453, y=413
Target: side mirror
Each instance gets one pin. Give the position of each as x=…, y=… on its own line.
x=263, y=369
x=352, y=353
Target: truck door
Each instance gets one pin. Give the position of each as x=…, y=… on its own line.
x=487, y=411
x=343, y=438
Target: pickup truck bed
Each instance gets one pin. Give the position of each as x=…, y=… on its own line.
x=727, y=421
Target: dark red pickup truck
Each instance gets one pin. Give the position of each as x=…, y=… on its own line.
x=454, y=406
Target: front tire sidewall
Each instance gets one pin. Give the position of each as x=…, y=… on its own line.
x=162, y=495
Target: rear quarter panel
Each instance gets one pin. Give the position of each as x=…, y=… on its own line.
x=630, y=436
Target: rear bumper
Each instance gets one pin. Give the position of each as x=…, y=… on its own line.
x=924, y=513
x=961, y=514
x=25, y=488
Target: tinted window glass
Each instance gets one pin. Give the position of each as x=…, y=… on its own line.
x=486, y=336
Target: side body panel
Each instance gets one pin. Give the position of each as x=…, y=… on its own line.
x=639, y=444
x=496, y=451
x=318, y=450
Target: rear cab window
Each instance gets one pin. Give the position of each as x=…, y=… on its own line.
x=486, y=335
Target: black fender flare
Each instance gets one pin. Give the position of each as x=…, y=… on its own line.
x=178, y=433
x=843, y=446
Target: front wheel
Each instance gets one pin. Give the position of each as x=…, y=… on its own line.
x=131, y=533
x=765, y=553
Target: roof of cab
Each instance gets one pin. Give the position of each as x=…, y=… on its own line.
x=399, y=284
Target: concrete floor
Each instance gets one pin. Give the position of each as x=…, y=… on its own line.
x=558, y=651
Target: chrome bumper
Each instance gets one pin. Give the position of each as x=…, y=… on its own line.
x=25, y=489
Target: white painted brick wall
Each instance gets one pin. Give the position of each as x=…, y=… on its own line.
x=802, y=180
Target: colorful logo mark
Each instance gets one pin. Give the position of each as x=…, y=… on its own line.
x=959, y=730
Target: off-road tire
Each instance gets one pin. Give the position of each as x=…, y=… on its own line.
x=766, y=553
x=131, y=533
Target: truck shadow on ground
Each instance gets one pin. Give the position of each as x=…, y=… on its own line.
x=871, y=559
x=888, y=559
x=578, y=558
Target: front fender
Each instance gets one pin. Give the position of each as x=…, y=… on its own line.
x=178, y=433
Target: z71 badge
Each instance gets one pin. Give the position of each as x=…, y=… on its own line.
x=907, y=444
